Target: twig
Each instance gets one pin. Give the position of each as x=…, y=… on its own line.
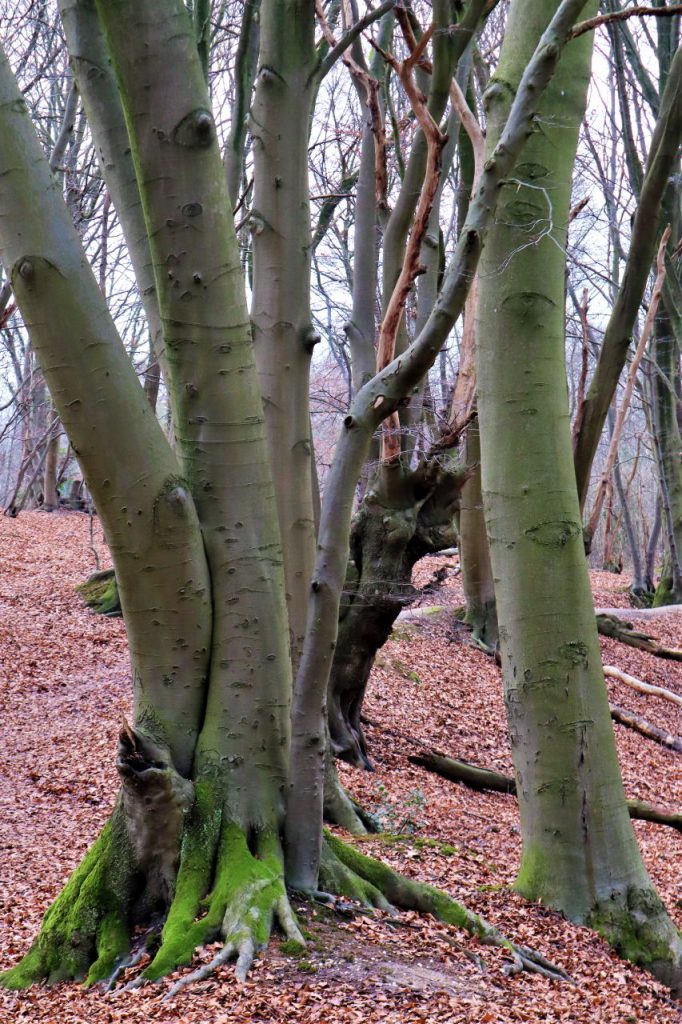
x=339, y=48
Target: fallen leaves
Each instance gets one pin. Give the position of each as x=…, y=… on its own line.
x=64, y=685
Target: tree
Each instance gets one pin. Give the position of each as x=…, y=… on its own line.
x=579, y=852
x=222, y=773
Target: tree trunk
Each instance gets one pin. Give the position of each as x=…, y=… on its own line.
x=579, y=852
x=94, y=76
x=208, y=787
x=669, y=451
x=404, y=515
x=474, y=550
x=283, y=333
x=485, y=779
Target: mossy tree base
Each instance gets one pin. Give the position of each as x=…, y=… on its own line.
x=631, y=918
x=230, y=887
x=100, y=592
x=666, y=593
x=86, y=930
x=637, y=926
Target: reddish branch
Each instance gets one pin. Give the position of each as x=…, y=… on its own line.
x=463, y=404
x=6, y=314
x=630, y=12
x=411, y=268
x=582, y=381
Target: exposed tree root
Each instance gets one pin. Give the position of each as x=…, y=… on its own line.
x=483, y=778
x=340, y=808
x=348, y=872
x=618, y=629
x=462, y=771
x=230, y=886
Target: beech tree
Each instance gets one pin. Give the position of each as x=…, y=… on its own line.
x=579, y=852
x=229, y=585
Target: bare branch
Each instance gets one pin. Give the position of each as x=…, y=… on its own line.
x=630, y=12
x=340, y=47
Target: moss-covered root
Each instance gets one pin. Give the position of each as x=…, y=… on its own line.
x=340, y=808
x=100, y=592
x=84, y=934
x=407, y=894
x=639, y=928
x=229, y=887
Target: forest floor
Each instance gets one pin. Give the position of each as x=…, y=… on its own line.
x=64, y=686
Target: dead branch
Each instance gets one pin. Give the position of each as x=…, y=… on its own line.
x=631, y=12
x=485, y=779
x=411, y=268
x=610, y=625
x=641, y=686
x=644, y=728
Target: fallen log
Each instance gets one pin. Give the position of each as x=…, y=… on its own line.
x=638, y=684
x=618, y=629
x=640, y=613
x=484, y=779
x=462, y=771
x=640, y=725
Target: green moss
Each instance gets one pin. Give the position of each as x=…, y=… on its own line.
x=220, y=876
x=100, y=592
x=418, y=842
x=307, y=967
x=182, y=933
x=292, y=948
x=634, y=930
x=665, y=593
x=402, y=632
x=404, y=892
x=534, y=874
x=113, y=942
x=85, y=929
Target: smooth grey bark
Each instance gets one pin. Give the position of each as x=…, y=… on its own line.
x=216, y=399
x=372, y=404
x=283, y=332
x=246, y=63
x=81, y=355
x=663, y=155
x=579, y=853
x=94, y=75
x=474, y=550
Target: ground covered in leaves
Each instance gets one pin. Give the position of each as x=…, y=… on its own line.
x=64, y=685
